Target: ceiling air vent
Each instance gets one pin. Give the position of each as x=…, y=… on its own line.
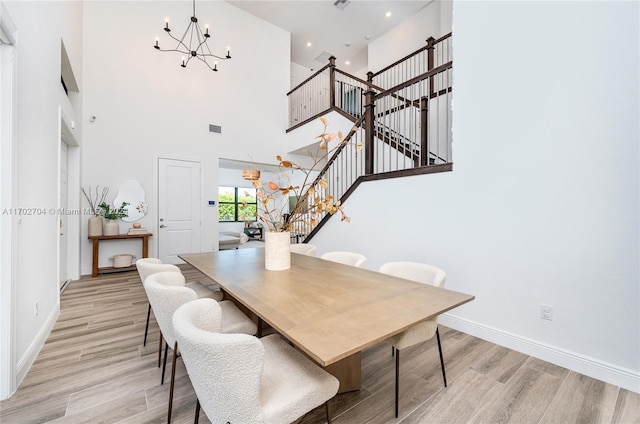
x=341, y=4
x=323, y=57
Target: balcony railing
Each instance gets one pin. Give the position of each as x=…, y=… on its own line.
x=401, y=114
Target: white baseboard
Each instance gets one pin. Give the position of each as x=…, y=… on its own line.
x=612, y=374
x=24, y=363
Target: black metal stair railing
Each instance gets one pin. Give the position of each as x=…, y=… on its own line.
x=409, y=127
x=406, y=127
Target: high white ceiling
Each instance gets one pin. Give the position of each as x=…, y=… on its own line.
x=329, y=29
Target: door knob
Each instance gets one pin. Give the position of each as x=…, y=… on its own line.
x=163, y=226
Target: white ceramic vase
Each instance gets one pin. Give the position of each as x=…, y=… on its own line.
x=111, y=228
x=277, y=251
x=95, y=226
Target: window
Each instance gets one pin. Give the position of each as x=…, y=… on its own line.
x=237, y=204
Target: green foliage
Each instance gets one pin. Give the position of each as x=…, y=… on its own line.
x=226, y=212
x=245, y=204
x=108, y=213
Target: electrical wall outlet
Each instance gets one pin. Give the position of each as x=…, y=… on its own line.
x=546, y=312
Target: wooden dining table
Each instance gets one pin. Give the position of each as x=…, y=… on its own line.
x=327, y=310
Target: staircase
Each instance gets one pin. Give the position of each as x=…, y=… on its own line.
x=401, y=114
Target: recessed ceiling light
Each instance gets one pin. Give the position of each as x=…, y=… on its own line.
x=367, y=37
x=309, y=44
x=388, y=14
x=347, y=63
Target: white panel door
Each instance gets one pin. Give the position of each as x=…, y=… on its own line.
x=179, y=211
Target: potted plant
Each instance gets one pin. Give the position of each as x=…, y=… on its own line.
x=111, y=227
x=279, y=216
x=95, y=222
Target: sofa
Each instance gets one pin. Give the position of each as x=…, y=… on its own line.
x=231, y=240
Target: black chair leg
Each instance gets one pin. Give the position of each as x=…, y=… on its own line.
x=444, y=376
x=259, y=332
x=173, y=379
x=160, y=351
x=164, y=365
x=146, y=328
x=327, y=408
x=397, y=378
x=197, y=411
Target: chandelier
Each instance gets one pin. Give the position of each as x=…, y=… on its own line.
x=197, y=47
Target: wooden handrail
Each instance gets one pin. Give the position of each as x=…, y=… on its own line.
x=361, y=81
x=323, y=171
x=444, y=167
x=413, y=80
x=441, y=39
x=345, y=142
x=321, y=70
x=420, y=50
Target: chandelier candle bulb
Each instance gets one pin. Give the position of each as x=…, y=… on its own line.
x=166, y=25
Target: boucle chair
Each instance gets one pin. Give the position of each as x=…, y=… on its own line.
x=304, y=248
x=347, y=258
x=421, y=273
x=243, y=379
x=148, y=266
x=167, y=292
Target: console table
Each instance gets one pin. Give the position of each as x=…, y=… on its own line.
x=96, y=245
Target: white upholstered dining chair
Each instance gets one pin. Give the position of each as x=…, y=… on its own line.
x=304, y=248
x=421, y=273
x=347, y=258
x=166, y=292
x=242, y=379
x=148, y=266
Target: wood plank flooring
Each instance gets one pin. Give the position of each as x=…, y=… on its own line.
x=94, y=369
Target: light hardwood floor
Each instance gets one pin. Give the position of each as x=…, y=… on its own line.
x=94, y=369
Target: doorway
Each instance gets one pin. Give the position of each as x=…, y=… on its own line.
x=179, y=208
x=62, y=216
x=68, y=210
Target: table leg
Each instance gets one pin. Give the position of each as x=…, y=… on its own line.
x=145, y=247
x=348, y=371
x=94, y=267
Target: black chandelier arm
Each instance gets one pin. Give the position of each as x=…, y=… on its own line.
x=188, y=52
x=215, y=68
x=216, y=56
x=173, y=50
x=201, y=52
x=180, y=41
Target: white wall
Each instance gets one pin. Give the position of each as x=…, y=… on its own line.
x=147, y=106
x=543, y=203
x=300, y=73
x=40, y=28
x=434, y=20
x=306, y=135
